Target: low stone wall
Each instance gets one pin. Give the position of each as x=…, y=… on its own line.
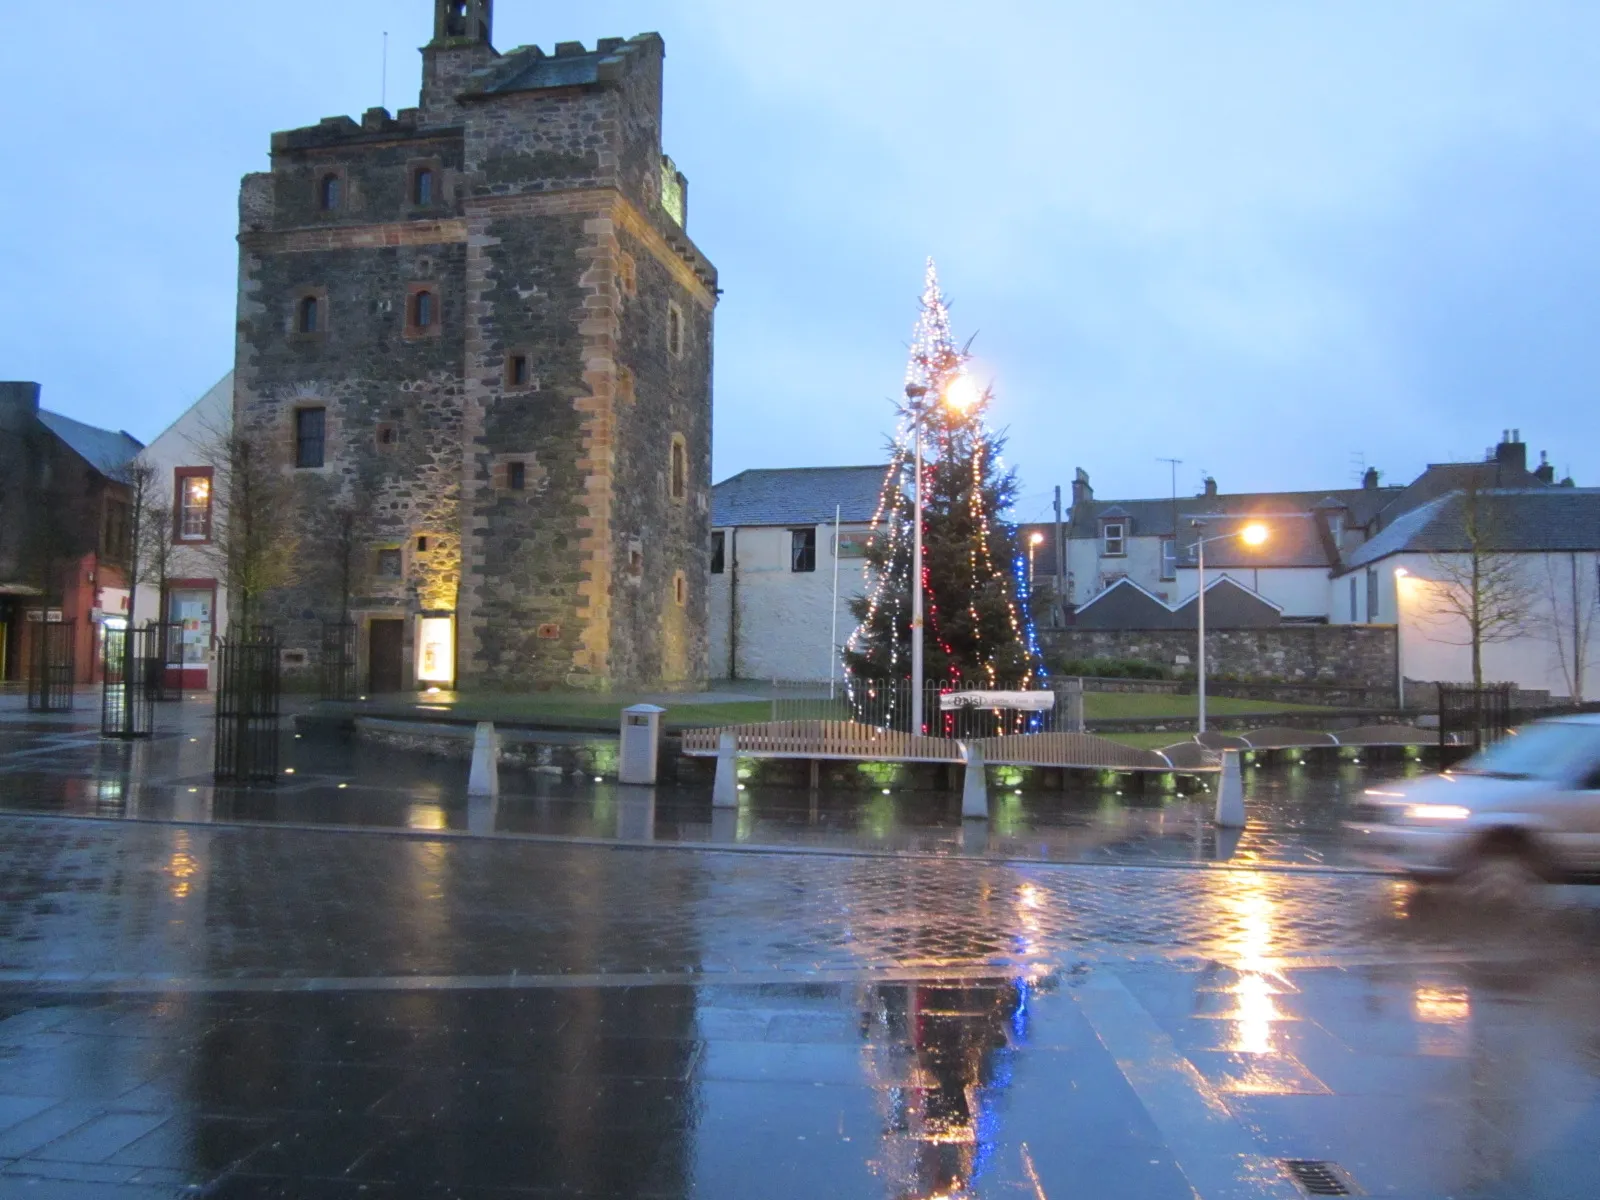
x=1361, y=656
x=545, y=752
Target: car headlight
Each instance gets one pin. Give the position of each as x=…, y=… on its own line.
x=1437, y=812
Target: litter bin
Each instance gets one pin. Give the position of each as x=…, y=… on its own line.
x=641, y=737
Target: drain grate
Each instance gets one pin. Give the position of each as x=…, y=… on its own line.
x=1317, y=1177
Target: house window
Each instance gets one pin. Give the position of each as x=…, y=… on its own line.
x=390, y=565
x=330, y=192
x=719, y=552
x=680, y=589
x=517, y=476
x=803, y=549
x=679, y=468
x=674, y=330
x=1114, y=539
x=1372, y=595
x=422, y=544
x=115, y=534
x=1169, y=558
x=517, y=370
x=422, y=186
x=309, y=318
x=310, y=429
x=193, y=488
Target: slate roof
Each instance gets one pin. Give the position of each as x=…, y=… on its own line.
x=1125, y=605
x=1442, y=478
x=1294, y=539
x=105, y=451
x=797, y=496
x=1525, y=520
x=1153, y=518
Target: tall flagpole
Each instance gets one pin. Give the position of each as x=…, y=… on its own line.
x=833, y=636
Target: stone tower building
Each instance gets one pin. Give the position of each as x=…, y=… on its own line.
x=474, y=341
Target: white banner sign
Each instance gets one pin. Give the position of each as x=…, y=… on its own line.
x=1026, y=701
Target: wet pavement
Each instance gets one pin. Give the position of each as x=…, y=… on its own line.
x=61, y=765
x=242, y=1008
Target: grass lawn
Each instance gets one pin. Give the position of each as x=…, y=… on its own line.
x=1146, y=741
x=1103, y=706
x=589, y=708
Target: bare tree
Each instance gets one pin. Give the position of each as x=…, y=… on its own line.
x=139, y=478
x=254, y=542
x=1572, y=597
x=1481, y=593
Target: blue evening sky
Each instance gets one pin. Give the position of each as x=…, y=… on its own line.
x=1274, y=240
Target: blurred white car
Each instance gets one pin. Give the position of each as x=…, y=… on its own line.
x=1525, y=810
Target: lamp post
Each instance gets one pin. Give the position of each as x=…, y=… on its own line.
x=1399, y=657
x=1253, y=534
x=1033, y=544
x=960, y=393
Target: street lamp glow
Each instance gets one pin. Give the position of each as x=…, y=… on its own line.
x=1254, y=534
x=962, y=392
x=1401, y=572
x=1036, y=539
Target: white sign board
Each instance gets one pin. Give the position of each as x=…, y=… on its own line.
x=1025, y=701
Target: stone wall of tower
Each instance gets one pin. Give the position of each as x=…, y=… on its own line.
x=545, y=239
x=392, y=398
x=575, y=266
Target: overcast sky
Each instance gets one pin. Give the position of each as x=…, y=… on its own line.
x=1274, y=240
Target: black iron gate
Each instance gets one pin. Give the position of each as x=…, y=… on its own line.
x=165, y=665
x=1471, y=718
x=248, y=688
x=338, y=660
x=127, y=707
x=52, y=665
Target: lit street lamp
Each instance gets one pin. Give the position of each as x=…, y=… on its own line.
x=1033, y=544
x=960, y=393
x=1253, y=534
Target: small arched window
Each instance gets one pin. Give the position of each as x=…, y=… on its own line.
x=422, y=186
x=309, y=318
x=679, y=476
x=329, y=193
x=422, y=310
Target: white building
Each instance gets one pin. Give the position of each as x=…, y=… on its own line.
x=1549, y=539
x=781, y=581
x=193, y=600
x=1312, y=534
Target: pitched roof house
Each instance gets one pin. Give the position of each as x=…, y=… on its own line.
x=775, y=611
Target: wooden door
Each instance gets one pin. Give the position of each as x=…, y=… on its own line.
x=385, y=656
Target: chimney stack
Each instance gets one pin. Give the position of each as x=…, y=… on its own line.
x=1512, y=452
x=1082, y=493
x=1211, y=488
x=19, y=406
x=1545, y=471
x=1369, y=479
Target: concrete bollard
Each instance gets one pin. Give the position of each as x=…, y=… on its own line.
x=485, y=777
x=1072, y=702
x=1230, y=793
x=725, y=791
x=975, y=787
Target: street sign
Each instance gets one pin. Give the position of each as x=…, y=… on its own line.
x=1041, y=701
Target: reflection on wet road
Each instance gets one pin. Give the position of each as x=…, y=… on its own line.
x=1296, y=811
x=271, y=1009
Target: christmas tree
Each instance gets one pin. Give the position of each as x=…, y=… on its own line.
x=977, y=630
